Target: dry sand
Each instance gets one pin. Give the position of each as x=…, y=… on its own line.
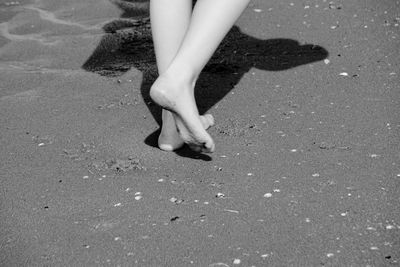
x=306, y=173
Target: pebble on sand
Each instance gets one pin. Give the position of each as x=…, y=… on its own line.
x=220, y=195
x=236, y=261
x=218, y=264
x=175, y=200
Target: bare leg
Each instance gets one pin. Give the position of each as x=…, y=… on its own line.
x=174, y=89
x=169, y=21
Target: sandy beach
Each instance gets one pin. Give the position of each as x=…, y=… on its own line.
x=306, y=170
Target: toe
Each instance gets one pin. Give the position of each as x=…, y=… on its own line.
x=210, y=119
x=208, y=147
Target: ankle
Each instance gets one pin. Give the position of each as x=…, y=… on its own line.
x=184, y=76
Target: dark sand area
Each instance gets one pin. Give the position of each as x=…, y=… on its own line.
x=306, y=170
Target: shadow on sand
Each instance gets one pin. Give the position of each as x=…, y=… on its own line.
x=127, y=44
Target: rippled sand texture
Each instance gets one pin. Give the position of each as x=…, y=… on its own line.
x=45, y=34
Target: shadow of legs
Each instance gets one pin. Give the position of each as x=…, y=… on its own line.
x=127, y=43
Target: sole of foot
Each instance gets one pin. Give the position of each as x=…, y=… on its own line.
x=179, y=99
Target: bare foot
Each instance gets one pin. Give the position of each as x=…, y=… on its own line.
x=179, y=99
x=169, y=139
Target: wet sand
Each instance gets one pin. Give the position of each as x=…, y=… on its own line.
x=306, y=172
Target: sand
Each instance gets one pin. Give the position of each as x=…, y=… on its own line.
x=306, y=170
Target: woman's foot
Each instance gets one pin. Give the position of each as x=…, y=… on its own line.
x=178, y=97
x=169, y=139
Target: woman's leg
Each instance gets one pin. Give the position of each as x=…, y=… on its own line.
x=169, y=22
x=174, y=89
